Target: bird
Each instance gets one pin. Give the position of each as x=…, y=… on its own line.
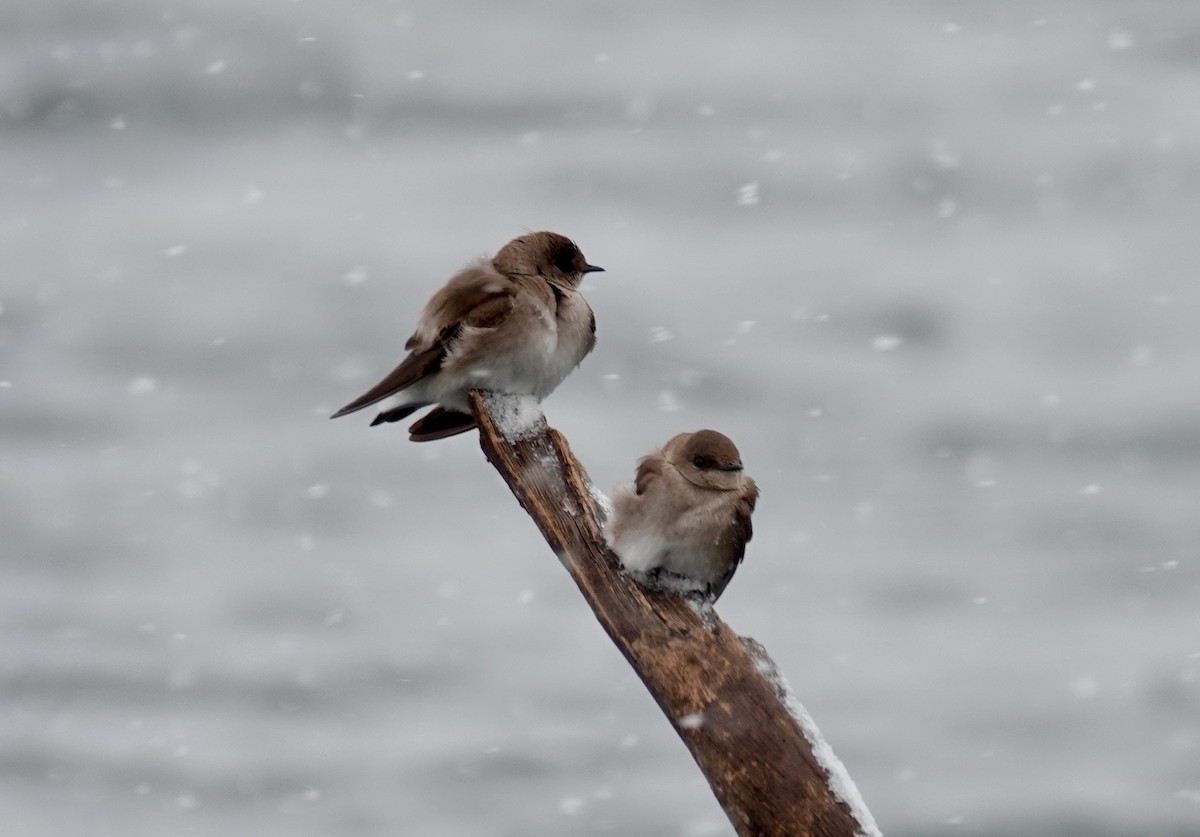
x=514, y=324
x=687, y=513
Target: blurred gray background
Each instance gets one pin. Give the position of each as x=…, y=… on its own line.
x=932, y=265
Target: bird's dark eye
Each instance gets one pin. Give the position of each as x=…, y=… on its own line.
x=564, y=260
x=701, y=462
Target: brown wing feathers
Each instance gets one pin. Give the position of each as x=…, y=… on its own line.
x=649, y=469
x=412, y=369
x=742, y=532
x=474, y=302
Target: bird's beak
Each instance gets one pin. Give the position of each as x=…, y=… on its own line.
x=591, y=268
x=737, y=466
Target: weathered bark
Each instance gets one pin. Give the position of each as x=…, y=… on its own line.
x=718, y=692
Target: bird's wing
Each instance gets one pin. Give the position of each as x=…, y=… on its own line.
x=742, y=532
x=477, y=296
x=414, y=367
x=742, y=509
x=472, y=298
x=649, y=471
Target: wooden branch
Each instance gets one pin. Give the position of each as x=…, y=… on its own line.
x=723, y=696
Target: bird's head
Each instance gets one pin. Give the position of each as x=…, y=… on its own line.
x=706, y=458
x=552, y=256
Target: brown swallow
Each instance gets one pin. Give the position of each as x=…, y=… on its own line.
x=687, y=512
x=515, y=324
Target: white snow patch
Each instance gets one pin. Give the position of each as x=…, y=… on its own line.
x=747, y=195
x=668, y=403
x=666, y=581
x=516, y=416
x=1142, y=355
x=1192, y=796
x=355, y=276
x=142, y=386
x=605, y=504
x=702, y=606
x=840, y=783
x=941, y=156
x=571, y=805
x=692, y=720
x=1085, y=687
x=1119, y=40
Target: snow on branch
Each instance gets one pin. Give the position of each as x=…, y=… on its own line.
x=767, y=766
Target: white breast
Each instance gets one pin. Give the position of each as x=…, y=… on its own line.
x=641, y=551
x=572, y=341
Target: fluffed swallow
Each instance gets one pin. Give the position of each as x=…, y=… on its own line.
x=687, y=513
x=513, y=324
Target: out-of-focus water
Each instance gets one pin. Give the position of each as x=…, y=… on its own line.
x=932, y=265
